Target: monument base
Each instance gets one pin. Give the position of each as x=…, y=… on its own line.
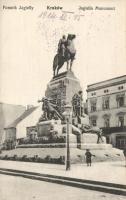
x=91, y=138
x=76, y=155
x=92, y=146
x=78, y=144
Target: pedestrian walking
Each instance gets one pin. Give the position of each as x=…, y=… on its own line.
x=88, y=156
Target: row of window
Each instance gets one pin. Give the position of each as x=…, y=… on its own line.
x=120, y=87
x=107, y=121
x=94, y=93
x=106, y=103
x=106, y=90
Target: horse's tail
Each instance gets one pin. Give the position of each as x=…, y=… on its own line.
x=55, y=62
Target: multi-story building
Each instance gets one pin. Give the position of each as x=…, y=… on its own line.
x=106, y=105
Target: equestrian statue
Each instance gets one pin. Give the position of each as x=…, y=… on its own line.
x=65, y=53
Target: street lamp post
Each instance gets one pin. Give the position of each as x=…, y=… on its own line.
x=67, y=115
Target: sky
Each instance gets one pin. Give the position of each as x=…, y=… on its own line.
x=29, y=40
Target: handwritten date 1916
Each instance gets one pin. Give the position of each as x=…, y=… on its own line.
x=62, y=16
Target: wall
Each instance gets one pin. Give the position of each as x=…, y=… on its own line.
x=30, y=120
x=10, y=134
x=8, y=113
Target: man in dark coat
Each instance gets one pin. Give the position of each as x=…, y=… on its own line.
x=88, y=155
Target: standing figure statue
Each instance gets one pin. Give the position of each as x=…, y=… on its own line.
x=100, y=138
x=77, y=104
x=66, y=53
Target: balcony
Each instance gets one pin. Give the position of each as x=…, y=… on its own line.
x=109, y=130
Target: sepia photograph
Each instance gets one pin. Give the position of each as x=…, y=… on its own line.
x=62, y=99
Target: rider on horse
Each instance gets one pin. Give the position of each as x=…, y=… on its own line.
x=66, y=53
x=66, y=45
x=62, y=45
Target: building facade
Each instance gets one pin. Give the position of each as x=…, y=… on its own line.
x=8, y=113
x=106, y=106
x=18, y=128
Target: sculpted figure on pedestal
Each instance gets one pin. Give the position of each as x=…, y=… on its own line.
x=66, y=53
x=49, y=110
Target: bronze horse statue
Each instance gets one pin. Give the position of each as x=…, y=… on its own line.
x=68, y=57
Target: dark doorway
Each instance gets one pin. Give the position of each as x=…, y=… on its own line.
x=121, y=142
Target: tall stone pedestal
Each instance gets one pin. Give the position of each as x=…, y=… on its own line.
x=62, y=88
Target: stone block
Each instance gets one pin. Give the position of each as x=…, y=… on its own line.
x=89, y=138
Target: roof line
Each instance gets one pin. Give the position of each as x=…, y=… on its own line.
x=106, y=80
x=25, y=114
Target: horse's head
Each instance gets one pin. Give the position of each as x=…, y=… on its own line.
x=71, y=36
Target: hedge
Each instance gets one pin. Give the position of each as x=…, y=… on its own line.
x=35, y=158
